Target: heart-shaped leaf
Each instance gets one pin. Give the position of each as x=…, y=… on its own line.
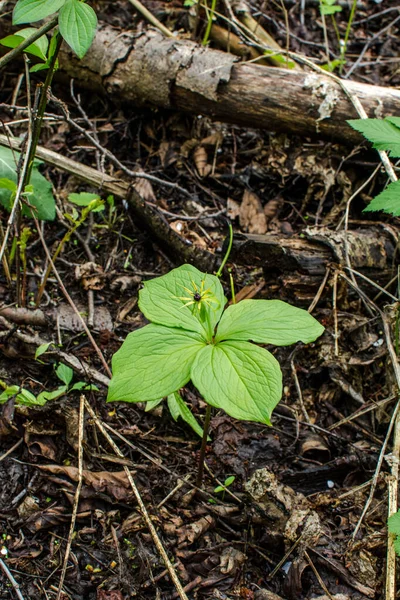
x=268, y=322
x=153, y=362
x=241, y=378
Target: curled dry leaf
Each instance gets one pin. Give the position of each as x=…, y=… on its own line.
x=231, y=560
x=251, y=215
x=144, y=188
x=201, y=161
x=189, y=533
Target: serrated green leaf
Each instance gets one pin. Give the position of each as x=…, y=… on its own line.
x=153, y=361
x=29, y=11
x=268, y=322
x=383, y=134
x=394, y=523
x=42, y=197
x=388, y=201
x=178, y=408
x=77, y=22
x=161, y=300
x=152, y=404
x=38, y=48
x=239, y=377
x=64, y=373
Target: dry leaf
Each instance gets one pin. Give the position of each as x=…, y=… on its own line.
x=251, y=216
x=232, y=209
x=201, y=161
x=190, y=533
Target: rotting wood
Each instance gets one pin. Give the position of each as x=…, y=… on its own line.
x=148, y=69
x=151, y=70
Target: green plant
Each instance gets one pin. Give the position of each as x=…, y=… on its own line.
x=25, y=397
x=329, y=7
x=178, y=408
x=394, y=528
x=221, y=489
x=192, y=337
x=384, y=135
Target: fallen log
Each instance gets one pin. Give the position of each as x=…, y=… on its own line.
x=299, y=263
x=150, y=69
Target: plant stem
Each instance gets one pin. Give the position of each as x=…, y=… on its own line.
x=210, y=17
x=200, y=469
x=38, y=121
x=346, y=35
x=227, y=253
x=28, y=41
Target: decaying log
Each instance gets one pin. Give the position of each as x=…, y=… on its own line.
x=301, y=262
x=150, y=70
x=147, y=69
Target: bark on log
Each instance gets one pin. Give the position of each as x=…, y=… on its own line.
x=302, y=262
x=149, y=69
x=178, y=74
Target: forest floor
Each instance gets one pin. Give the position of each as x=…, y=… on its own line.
x=326, y=457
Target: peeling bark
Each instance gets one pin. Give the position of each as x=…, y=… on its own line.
x=148, y=69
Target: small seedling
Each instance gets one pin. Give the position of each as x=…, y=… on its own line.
x=192, y=337
x=222, y=488
x=384, y=135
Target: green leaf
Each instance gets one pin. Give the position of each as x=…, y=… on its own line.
x=241, y=378
x=397, y=545
x=77, y=22
x=53, y=395
x=29, y=11
x=42, y=197
x=178, y=408
x=38, y=48
x=82, y=385
x=64, y=373
x=21, y=396
x=268, y=322
x=161, y=300
x=83, y=198
x=153, y=361
x=151, y=405
x=394, y=523
x=388, y=200
x=42, y=349
x=330, y=10
x=8, y=184
x=383, y=134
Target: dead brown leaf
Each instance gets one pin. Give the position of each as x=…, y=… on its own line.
x=114, y=484
x=251, y=216
x=189, y=533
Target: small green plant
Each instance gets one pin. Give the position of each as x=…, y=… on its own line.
x=178, y=408
x=394, y=528
x=329, y=7
x=384, y=135
x=192, y=337
x=25, y=397
x=221, y=489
